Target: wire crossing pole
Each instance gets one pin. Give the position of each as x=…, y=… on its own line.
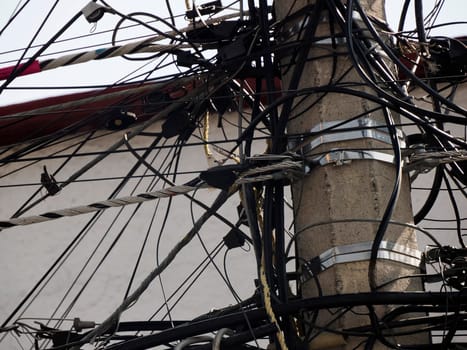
x=339, y=191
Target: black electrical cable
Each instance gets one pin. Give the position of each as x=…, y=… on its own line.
x=149, y=167
x=279, y=247
x=93, y=34
x=269, y=70
x=249, y=205
x=456, y=211
x=20, y=69
x=44, y=21
x=116, y=239
x=267, y=237
x=399, y=101
x=161, y=33
x=323, y=302
x=419, y=20
x=34, y=160
x=403, y=15
x=407, y=110
x=374, y=71
x=39, y=145
x=433, y=195
x=169, y=8
x=175, y=29
x=212, y=262
x=88, y=224
x=12, y=18
x=204, y=206
x=405, y=69
x=376, y=332
x=49, y=271
x=201, y=270
x=86, y=167
x=391, y=202
x=310, y=30
x=67, y=160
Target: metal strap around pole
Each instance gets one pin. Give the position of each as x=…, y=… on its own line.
x=360, y=252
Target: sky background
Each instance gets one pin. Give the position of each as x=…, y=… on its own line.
x=20, y=33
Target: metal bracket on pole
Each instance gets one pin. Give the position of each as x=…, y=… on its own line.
x=359, y=252
x=342, y=157
x=335, y=131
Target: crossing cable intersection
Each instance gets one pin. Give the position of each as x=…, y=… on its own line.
x=276, y=171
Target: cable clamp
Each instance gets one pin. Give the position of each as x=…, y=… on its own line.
x=337, y=131
x=359, y=252
x=423, y=161
x=94, y=12
x=285, y=169
x=343, y=157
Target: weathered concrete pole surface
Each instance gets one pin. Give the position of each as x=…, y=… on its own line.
x=331, y=193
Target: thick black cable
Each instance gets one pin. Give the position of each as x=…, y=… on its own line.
x=403, y=15
x=308, y=35
x=404, y=68
x=323, y=302
x=419, y=20
x=396, y=189
x=456, y=211
x=267, y=236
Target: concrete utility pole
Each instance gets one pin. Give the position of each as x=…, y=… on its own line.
x=332, y=196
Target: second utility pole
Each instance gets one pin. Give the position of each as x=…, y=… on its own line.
x=341, y=202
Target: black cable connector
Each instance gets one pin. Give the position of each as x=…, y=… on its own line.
x=205, y=9
x=448, y=59
x=234, y=239
x=185, y=58
x=222, y=176
x=120, y=120
x=222, y=31
x=178, y=123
